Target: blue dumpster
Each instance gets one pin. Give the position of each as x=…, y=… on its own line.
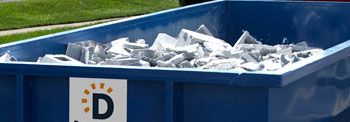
x=316, y=89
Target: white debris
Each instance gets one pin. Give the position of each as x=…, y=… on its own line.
x=246, y=38
x=252, y=66
x=194, y=37
x=204, y=30
x=7, y=57
x=62, y=59
x=163, y=41
x=191, y=49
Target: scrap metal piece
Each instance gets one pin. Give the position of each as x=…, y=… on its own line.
x=204, y=30
x=62, y=59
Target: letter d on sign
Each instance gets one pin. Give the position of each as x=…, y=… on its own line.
x=110, y=106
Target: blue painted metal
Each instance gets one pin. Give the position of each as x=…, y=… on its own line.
x=315, y=89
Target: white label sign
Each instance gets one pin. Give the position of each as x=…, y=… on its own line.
x=97, y=100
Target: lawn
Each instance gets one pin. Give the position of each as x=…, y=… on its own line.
x=46, y=12
x=27, y=35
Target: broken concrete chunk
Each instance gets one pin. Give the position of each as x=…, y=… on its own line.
x=250, y=57
x=303, y=44
x=223, y=64
x=202, y=61
x=124, y=61
x=96, y=58
x=308, y=53
x=270, y=65
x=7, y=57
x=144, y=53
x=145, y=63
x=141, y=41
x=163, y=41
x=185, y=64
x=194, y=37
x=74, y=50
x=118, y=49
x=177, y=59
x=191, y=51
x=246, y=38
x=118, y=42
x=62, y=59
x=173, y=61
x=213, y=47
x=165, y=57
x=99, y=51
x=91, y=62
x=86, y=54
x=252, y=66
x=39, y=59
x=284, y=50
x=135, y=45
x=288, y=59
x=222, y=54
x=237, y=54
x=204, y=30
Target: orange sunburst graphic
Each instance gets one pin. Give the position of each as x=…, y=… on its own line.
x=87, y=92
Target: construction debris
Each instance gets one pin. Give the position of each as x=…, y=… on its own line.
x=7, y=57
x=190, y=49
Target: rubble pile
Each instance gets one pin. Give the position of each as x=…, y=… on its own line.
x=191, y=49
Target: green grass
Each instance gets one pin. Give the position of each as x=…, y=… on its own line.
x=46, y=12
x=27, y=35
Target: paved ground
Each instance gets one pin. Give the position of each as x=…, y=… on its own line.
x=23, y=30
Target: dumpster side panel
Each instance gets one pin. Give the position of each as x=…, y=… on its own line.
x=221, y=103
x=49, y=99
x=7, y=98
x=320, y=25
x=145, y=101
x=318, y=97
